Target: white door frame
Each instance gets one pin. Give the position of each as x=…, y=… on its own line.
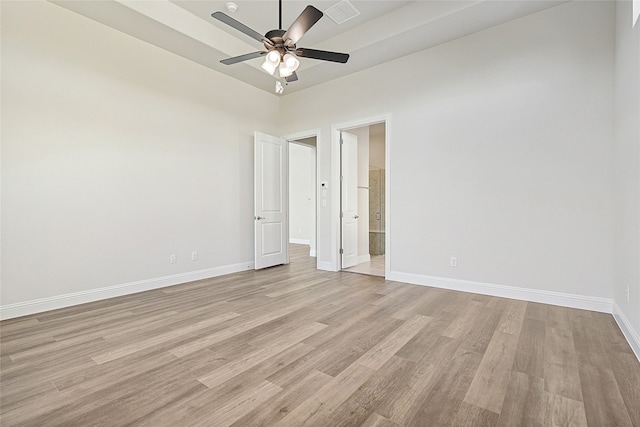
x=303, y=135
x=335, y=183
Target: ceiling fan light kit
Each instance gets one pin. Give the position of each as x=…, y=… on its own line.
x=281, y=50
x=291, y=61
x=289, y=65
x=284, y=71
x=271, y=62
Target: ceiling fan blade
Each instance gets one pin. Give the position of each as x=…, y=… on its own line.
x=292, y=78
x=241, y=58
x=240, y=27
x=309, y=16
x=323, y=55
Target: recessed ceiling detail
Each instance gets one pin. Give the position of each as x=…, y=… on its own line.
x=342, y=12
x=385, y=30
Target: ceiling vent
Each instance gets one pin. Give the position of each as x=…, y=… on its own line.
x=342, y=12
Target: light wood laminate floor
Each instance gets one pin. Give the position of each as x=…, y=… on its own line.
x=374, y=267
x=292, y=346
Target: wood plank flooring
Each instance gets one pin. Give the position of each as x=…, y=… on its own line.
x=374, y=267
x=292, y=346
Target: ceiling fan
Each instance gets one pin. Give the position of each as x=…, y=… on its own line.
x=281, y=51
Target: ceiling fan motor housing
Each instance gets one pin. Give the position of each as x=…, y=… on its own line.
x=275, y=33
x=278, y=43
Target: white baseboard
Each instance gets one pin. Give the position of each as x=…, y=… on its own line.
x=300, y=241
x=326, y=266
x=312, y=252
x=632, y=336
x=39, y=305
x=603, y=305
x=364, y=258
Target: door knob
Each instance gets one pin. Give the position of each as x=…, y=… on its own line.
x=259, y=218
x=356, y=217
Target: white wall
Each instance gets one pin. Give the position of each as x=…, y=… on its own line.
x=500, y=153
x=116, y=154
x=627, y=173
x=301, y=193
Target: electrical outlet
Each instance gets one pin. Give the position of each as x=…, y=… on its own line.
x=453, y=262
x=194, y=256
x=173, y=258
x=628, y=294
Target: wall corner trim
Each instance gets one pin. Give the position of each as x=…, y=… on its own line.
x=603, y=305
x=632, y=336
x=326, y=266
x=299, y=241
x=39, y=305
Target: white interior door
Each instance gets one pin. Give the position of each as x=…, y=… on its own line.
x=270, y=192
x=349, y=198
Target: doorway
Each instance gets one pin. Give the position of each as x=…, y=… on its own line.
x=302, y=194
x=370, y=191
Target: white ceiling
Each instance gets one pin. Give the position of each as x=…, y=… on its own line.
x=384, y=30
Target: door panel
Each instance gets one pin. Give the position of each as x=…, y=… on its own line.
x=271, y=159
x=349, y=198
x=271, y=243
x=271, y=230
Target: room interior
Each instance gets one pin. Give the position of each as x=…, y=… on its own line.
x=513, y=147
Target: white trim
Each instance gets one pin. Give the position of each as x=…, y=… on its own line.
x=312, y=253
x=303, y=135
x=300, y=241
x=334, y=195
x=364, y=258
x=326, y=266
x=603, y=305
x=39, y=305
x=387, y=195
x=632, y=336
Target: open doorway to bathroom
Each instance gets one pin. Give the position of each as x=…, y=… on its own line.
x=371, y=149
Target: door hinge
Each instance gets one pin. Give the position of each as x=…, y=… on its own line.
x=341, y=178
x=341, y=141
x=341, y=251
x=341, y=214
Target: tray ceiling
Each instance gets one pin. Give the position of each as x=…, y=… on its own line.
x=383, y=31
